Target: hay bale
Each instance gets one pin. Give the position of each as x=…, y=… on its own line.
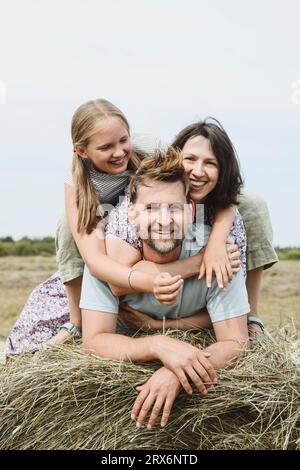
x=67, y=400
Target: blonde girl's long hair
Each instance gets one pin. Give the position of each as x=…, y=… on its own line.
x=84, y=124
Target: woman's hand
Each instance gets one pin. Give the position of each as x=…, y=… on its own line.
x=166, y=288
x=222, y=260
x=185, y=360
x=159, y=392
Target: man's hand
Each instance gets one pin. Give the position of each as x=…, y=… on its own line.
x=159, y=392
x=222, y=260
x=234, y=256
x=166, y=288
x=185, y=360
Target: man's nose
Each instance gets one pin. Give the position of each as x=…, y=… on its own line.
x=164, y=216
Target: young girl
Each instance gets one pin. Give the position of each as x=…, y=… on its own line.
x=102, y=163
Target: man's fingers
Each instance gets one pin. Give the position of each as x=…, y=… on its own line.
x=234, y=256
x=194, y=376
x=236, y=268
x=203, y=374
x=231, y=248
x=235, y=264
x=145, y=409
x=167, y=409
x=208, y=367
x=155, y=411
x=139, y=402
x=184, y=381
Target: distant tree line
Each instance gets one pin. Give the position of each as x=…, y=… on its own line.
x=27, y=246
x=46, y=247
x=288, y=253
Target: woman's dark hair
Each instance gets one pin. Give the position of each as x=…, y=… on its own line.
x=230, y=180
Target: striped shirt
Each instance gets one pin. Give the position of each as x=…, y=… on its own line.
x=109, y=187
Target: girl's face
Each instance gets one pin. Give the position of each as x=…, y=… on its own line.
x=201, y=166
x=109, y=148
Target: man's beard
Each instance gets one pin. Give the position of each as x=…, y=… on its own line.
x=162, y=246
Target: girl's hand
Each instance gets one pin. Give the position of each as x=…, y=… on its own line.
x=223, y=260
x=159, y=392
x=166, y=288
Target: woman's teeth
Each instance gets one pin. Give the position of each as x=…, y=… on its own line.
x=198, y=184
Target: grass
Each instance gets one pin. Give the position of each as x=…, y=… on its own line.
x=19, y=276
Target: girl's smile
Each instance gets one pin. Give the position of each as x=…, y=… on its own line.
x=109, y=148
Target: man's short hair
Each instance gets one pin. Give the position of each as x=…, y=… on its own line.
x=164, y=165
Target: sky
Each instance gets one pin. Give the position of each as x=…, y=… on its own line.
x=165, y=63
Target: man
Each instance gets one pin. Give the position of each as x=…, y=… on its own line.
x=159, y=206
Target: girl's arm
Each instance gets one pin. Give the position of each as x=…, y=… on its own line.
x=93, y=252
x=215, y=258
x=118, y=249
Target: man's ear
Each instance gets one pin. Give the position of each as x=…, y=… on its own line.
x=131, y=214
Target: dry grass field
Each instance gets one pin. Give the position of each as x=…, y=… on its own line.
x=280, y=299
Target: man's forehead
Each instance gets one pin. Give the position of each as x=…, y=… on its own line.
x=159, y=192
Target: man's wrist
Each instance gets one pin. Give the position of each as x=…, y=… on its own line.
x=153, y=346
